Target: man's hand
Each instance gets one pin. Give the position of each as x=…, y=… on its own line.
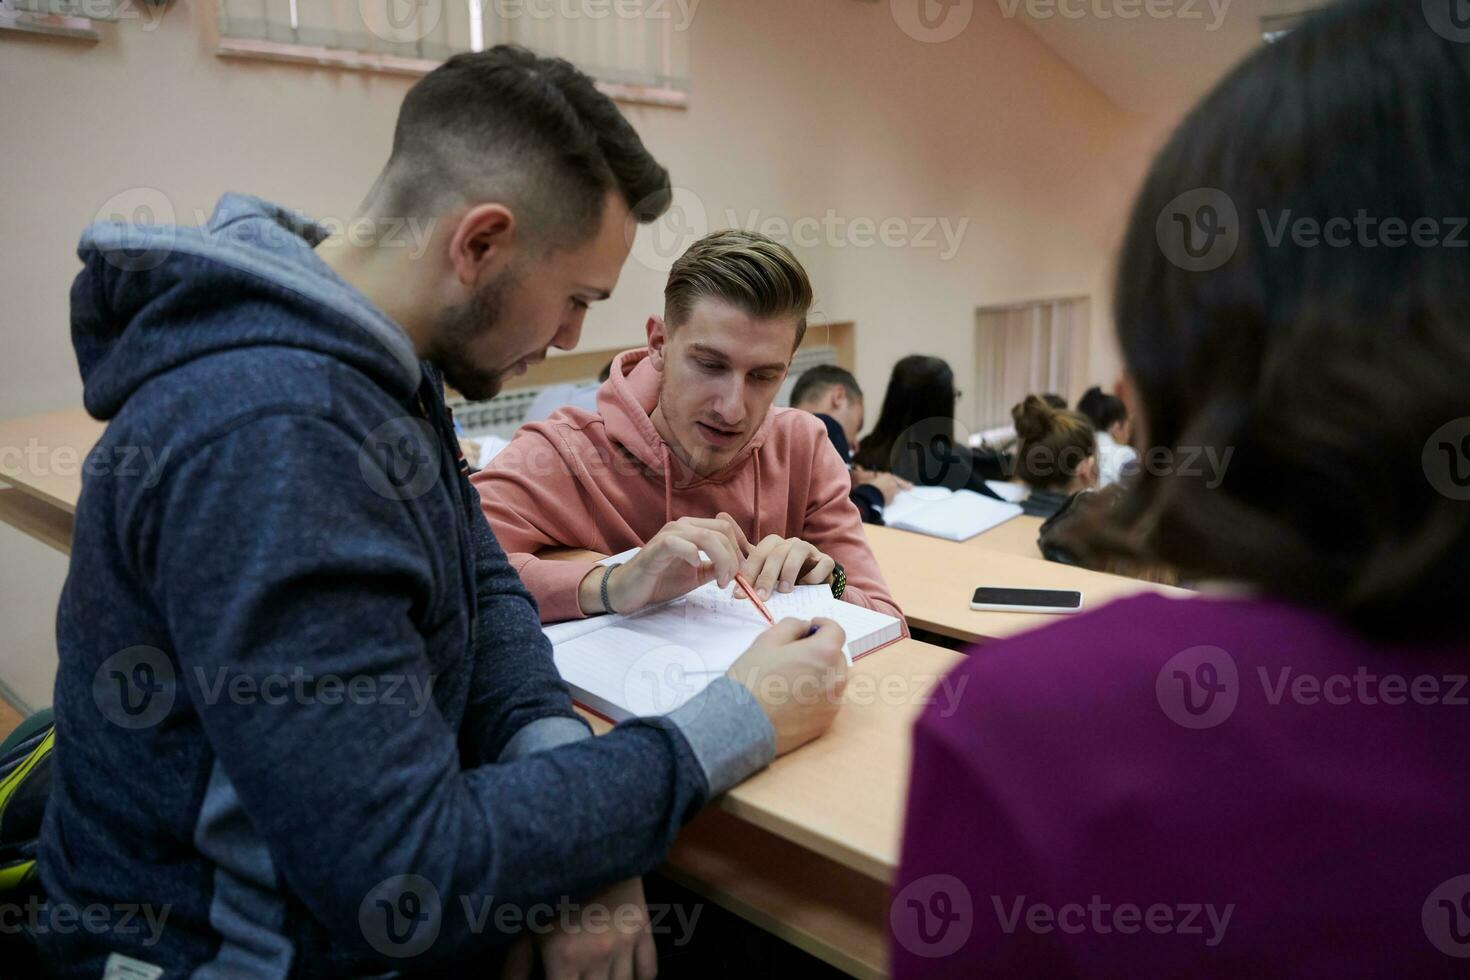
x=609, y=938
x=797, y=679
x=669, y=565
x=778, y=564
x=888, y=485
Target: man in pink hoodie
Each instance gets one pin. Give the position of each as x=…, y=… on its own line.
x=685, y=454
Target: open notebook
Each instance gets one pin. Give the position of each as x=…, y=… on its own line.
x=652, y=661
x=954, y=514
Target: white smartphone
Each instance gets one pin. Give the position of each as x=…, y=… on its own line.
x=1027, y=600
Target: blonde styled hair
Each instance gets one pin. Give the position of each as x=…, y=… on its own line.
x=751, y=272
x=1055, y=442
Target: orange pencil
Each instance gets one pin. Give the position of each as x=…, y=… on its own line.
x=760, y=606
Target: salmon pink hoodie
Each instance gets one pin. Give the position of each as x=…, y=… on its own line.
x=607, y=483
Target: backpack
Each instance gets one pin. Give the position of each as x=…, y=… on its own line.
x=25, y=782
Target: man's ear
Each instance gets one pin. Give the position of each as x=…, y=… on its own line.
x=658, y=336
x=483, y=242
x=837, y=398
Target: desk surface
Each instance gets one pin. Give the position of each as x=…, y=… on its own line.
x=932, y=581
x=1016, y=536
x=42, y=455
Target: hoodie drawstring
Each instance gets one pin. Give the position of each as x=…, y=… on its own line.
x=757, y=538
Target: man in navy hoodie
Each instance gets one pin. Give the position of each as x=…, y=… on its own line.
x=304, y=707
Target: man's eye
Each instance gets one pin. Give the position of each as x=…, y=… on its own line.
x=709, y=365
x=764, y=379
x=579, y=304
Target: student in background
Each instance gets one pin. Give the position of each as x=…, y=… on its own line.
x=1281, y=764
x=571, y=394
x=686, y=453
x=1056, y=455
x=914, y=437
x=1054, y=400
x=1109, y=417
x=832, y=394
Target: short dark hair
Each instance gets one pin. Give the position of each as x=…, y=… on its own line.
x=531, y=131
x=1102, y=409
x=1328, y=370
x=746, y=269
x=1054, y=400
x=815, y=381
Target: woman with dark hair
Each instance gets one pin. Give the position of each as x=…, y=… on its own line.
x=1109, y=418
x=1270, y=779
x=914, y=435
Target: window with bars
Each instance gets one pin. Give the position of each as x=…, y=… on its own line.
x=633, y=43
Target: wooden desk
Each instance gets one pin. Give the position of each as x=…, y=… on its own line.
x=932, y=581
x=41, y=461
x=1016, y=536
x=806, y=849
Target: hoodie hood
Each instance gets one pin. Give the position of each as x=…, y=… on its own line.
x=626, y=403
x=153, y=297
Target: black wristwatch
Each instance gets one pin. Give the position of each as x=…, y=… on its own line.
x=839, y=580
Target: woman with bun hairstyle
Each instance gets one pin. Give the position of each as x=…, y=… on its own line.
x=1283, y=761
x=1056, y=455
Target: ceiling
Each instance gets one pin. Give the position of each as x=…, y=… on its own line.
x=1152, y=64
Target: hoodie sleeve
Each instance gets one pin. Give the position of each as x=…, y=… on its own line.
x=532, y=501
x=834, y=525
x=303, y=571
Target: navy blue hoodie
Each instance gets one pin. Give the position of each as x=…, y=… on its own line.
x=307, y=723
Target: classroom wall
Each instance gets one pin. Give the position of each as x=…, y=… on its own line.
x=821, y=117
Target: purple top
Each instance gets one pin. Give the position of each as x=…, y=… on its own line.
x=1190, y=787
